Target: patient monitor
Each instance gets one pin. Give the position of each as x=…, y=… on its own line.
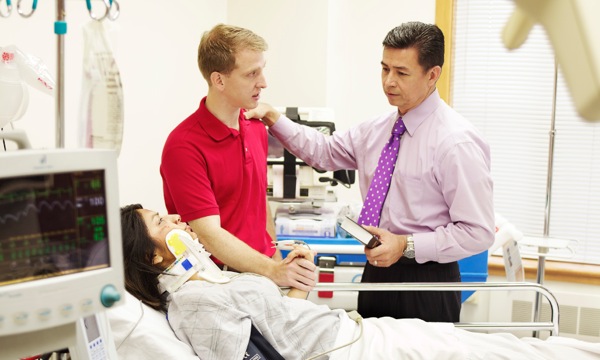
x=574, y=31
x=61, y=261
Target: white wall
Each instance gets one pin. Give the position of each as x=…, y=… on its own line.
x=321, y=54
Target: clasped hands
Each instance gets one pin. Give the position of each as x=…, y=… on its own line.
x=298, y=269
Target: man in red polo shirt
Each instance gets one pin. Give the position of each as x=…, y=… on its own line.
x=214, y=163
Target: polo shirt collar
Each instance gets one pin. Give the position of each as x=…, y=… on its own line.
x=215, y=127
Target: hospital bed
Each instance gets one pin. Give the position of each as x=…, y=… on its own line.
x=142, y=332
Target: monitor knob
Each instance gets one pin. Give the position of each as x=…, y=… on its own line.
x=109, y=296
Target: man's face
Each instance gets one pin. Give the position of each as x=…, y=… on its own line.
x=405, y=83
x=244, y=83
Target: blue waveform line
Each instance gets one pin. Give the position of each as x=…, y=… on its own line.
x=37, y=208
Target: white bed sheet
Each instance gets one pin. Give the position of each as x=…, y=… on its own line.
x=141, y=332
x=386, y=338
x=511, y=347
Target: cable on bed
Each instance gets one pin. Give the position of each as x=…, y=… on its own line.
x=135, y=325
x=354, y=316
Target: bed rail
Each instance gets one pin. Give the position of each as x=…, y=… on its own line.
x=451, y=286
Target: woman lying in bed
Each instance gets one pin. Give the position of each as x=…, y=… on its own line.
x=216, y=320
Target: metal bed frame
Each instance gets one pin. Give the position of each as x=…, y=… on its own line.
x=539, y=289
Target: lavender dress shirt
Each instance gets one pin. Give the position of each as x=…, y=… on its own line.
x=441, y=190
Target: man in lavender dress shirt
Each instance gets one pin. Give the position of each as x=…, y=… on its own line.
x=439, y=208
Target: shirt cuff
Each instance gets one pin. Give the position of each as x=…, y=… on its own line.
x=281, y=125
x=425, y=249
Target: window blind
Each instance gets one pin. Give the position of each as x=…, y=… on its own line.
x=509, y=96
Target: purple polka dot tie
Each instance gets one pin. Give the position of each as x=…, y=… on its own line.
x=371, y=211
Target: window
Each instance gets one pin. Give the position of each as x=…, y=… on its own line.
x=510, y=96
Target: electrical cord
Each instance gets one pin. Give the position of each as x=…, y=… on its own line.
x=3, y=140
x=289, y=244
x=354, y=316
x=135, y=325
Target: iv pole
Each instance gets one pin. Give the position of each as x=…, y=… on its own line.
x=514, y=34
x=60, y=29
x=542, y=249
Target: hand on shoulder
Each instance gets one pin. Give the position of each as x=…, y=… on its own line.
x=265, y=112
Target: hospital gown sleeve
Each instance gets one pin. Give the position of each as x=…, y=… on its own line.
x=214, y=329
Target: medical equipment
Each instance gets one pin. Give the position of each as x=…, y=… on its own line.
x=290, y=179
x=23, y=13
x=111, y=12
x=18, y=136
x=101, y=107
x=293, y=219
x=19, y=10
x=190, y=259
x=112, y=9
x=18, y=69
x=572, y=28
x=61, y=259
x=8, y=6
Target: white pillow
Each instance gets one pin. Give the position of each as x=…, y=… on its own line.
x=141, y=332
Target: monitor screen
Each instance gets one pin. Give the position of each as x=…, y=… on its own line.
x=60, y=238
x=52, y=224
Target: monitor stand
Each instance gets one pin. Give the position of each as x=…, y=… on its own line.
x=87, y=338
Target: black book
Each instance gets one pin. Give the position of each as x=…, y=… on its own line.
x=359, y=233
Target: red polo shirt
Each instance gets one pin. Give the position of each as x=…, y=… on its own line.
x=208, y=168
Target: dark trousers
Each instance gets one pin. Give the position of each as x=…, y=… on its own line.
x=435, y=306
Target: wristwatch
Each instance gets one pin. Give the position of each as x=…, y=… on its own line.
x=409, y=252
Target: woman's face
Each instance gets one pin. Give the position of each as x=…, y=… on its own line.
x=158, y=228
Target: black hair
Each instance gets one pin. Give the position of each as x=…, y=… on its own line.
x=428, y=39
x=141, y=277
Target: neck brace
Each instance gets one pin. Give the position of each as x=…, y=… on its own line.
x=190, y=258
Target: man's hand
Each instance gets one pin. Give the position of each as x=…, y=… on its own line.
x=391, y=248
x=264, y=112
x=297, y=270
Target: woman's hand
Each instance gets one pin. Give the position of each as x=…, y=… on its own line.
x=300, y=256
x=299, y=251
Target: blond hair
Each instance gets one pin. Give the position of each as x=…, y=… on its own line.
x=219, y=46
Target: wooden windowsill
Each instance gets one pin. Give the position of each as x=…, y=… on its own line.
x=554, y=270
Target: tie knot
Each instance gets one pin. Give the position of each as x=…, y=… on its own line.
x=399, y=127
